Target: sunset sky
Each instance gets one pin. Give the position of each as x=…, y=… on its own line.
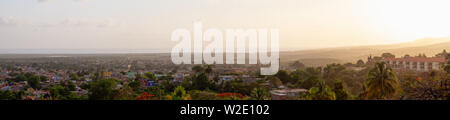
x=147, y=24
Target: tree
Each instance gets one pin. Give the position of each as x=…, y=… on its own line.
x=339, y=90
x=150, y=76
x=124, y=93
x=321, y=92
x=198, y=69
x=388, y=55
x=447, y=68
x=85, y=86
x=202, y=95
x=74, y=77
x=43, y=78
x=260, y=94
x=180, y=94
x=360, y=63
x=60, y=92
x=298, y=76
x=435, y=86
x=274, y=81
x=298, y=65
x=34, y=82
x=69, y=84
x=201, y=82
x=312, y=76
x=135, y=85
x=102, y=89
x=6, y=95
x=167, y=86
x=381, y=82
x=284, y=76
x=422, y=55
x=442, y=54
x=332, y=71
x=19, y=78
x=186, y=83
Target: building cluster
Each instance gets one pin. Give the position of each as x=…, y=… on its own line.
x=56, y=77
x=420, y=63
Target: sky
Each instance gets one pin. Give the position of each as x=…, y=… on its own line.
x=148, y=24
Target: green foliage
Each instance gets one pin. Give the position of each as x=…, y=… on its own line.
x=135, y=85
x=69, y=84
x=198, y=69
x=237, y=86
x=34, y=82
x=260, y=94
x=102, y=89
x=339, y=90
x=201, y=82
x=85, y=86
x=381, y=82
x=311, y=77
x=202, y=95
x=447, y=68
x=321, y=92
x=332, y=71
x=360, y=63
x=74, y=77
x=124, y=93
x=180, y=94
x=284, y=76
x=157, y=91
x=388, y=55
x=150, y=76
x=167, y=86
x=187, y=83
x=60, y=92
x=43, y=78
x=298, y=65
x=275, y=82
x=6, y=95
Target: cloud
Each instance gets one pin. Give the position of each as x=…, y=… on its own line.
x=43, y=1
x=11, y=21
x=100, y=23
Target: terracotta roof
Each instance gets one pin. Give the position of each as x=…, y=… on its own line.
x=418, y=59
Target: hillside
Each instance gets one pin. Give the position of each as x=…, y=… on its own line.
x=429, y=46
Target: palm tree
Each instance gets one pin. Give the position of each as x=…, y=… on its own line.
x=381, y=82
x=260, y=94
x=321, y=92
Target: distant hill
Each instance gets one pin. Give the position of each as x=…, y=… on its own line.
x=429, y=46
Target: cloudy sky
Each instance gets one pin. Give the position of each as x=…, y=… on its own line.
x=147, y=24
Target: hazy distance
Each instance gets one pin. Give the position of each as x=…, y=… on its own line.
x=118, y=26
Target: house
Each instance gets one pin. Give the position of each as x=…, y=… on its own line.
x=287, y=94
x=248, y=79
x=223, y=78
x=131, y=75
x=420, y=64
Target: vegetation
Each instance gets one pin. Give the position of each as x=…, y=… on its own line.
x=381, y=82
x=260, y=94
x=359, y=80
x=102, y=89
x=321, y=92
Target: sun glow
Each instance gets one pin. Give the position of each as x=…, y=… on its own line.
x=408, y=20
